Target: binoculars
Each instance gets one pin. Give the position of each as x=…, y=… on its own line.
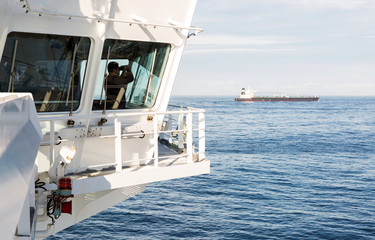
x=123, y=67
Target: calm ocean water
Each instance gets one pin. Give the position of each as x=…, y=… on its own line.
x=301, y=170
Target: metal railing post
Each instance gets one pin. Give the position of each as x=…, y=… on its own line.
x=169, y=124
x=189, y=137
x=156, y=142
x=202, y=136
x=52, y=142
x=118, y=154
x=180, y=133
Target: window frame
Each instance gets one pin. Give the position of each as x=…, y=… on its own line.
x=30, y=42
x=130, y=102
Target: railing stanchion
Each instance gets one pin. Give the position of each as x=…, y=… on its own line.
x=189, y=137
x=156, y=142
x=118, y=154
x=202, y=135
x=52, y=141
x=180, y=133
x=169, y=127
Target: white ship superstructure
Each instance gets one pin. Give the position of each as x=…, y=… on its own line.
x=247, y=93
x=84, y=140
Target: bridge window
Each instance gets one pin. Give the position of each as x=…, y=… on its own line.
x=146, y=62
x=51, y=67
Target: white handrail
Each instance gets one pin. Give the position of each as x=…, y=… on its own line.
x=189, y=137
x=183, y=132
x=119, y=114
x=202, y=135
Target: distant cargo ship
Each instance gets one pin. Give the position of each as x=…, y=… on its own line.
x=248, y=96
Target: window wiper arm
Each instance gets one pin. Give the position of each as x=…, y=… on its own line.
x=105, y=78
x=150, y=80
x=71, y=84
x=11, y=77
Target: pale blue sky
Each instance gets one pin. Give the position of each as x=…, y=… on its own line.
x=295, y=47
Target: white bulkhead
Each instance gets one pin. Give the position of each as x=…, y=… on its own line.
x=106, y=134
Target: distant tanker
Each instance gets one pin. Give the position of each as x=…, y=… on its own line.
x=248, y=96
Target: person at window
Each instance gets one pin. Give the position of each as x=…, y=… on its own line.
x=116, y=85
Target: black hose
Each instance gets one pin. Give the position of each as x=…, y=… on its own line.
x=51, y=206
x=39, y=184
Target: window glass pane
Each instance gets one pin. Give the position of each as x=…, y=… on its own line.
x=42, y=64
x=146, y=62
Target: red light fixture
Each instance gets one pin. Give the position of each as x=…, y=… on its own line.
x=65, y=184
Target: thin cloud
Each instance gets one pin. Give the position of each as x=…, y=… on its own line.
x=224, y=5
x=339, y=4
x=233, y=40
x=238, y=50
x=239, y=44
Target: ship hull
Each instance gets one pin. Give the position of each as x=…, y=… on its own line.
x=278, y=99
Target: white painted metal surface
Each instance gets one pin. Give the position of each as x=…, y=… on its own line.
x=117, y=151
x=20, y=136
x=247, y=93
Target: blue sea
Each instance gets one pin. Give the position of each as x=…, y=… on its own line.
x=279, y=170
